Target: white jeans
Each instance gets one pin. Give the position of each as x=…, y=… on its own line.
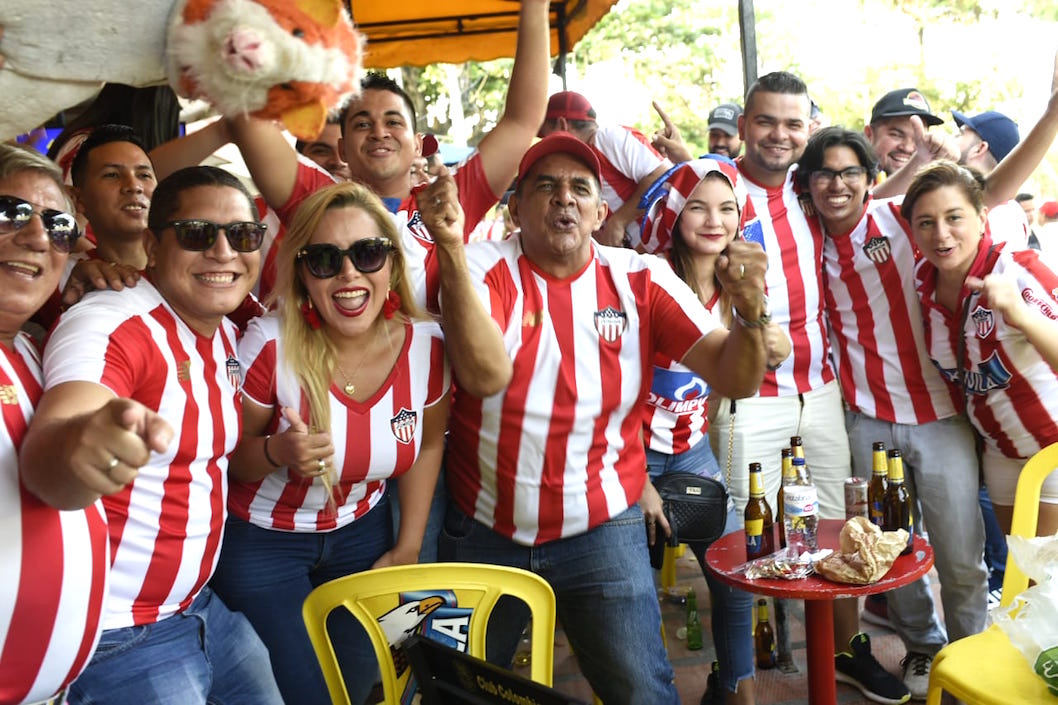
x=762, y=428
x=941, y=467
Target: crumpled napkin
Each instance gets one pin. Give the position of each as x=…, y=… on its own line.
x=866, y=554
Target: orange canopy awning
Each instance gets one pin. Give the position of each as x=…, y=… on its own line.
x=421, y=32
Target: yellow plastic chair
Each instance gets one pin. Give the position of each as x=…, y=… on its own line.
x=986, y=669
x=374, y=597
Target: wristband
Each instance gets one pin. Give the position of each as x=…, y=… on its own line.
x=268, y=456
x=765, y=317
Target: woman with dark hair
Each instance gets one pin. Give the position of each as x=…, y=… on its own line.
x=991, y=320
x=346, y=387
x=698, y=215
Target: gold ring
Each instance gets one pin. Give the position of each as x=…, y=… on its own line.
x=741, y=271
x=114, y=462
x=321, y=464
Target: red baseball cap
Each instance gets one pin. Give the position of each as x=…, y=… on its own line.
x=1049, y=209
x=569, y=105
x=560, y=142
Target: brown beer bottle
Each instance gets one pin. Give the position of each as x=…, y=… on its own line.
x=879, y=481
x=760, y=532
x=764, y=637
x=897, y=503
x=788, y=475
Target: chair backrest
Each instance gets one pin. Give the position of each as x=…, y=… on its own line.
x=394, y=603
x=1026, y=514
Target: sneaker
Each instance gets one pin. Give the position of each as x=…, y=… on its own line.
x=916, y=673
x=714, y=694
x=857, y=667
x=876, y=611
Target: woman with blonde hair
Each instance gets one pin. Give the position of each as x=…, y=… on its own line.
x=345, y=387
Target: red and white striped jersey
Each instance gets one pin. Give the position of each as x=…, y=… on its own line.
x=559, y=450
x=1007, y=223
x=876, y=331
x=794, y=282
x=166, y=525
x=626, y=157
x=1011, y=391
x=373, y=441
x=54, y=564
x=474, y=195
x=675, y=414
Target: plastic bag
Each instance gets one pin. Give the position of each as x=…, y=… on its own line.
x=781, y=566
x=1031, y=620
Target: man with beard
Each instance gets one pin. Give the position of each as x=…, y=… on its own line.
x=891, y=131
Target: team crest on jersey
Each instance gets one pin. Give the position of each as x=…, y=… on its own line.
x=878, y=249
x=418, y=228
x=183, y=370
x=403, y=425
x=610, y=323
x=8, y=394
x=984, y=321
x=234, y=370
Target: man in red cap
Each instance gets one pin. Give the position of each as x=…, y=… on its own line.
x=629, y=164
x=552, y=341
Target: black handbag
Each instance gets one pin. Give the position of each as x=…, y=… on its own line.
x=695, y=507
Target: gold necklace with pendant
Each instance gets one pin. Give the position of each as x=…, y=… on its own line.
x=350, y=384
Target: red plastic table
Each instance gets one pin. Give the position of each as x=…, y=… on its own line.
x=729, y=552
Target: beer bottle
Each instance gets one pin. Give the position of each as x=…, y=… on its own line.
x=897, y=504
x=797, y=446
x=801, y=511
x=787, y=476
x=764, y=637
x=760, y=532
x=694, y=624
x=879, y=481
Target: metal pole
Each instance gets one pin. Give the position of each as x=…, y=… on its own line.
x=747, y=29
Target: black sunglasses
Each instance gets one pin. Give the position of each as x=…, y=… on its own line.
x=61, y=227
x=325, y=261
x=199, y=235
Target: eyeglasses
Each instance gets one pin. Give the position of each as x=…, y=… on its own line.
x=61, y=227
x=325, y=261
x=199, y=235
x=849, y=175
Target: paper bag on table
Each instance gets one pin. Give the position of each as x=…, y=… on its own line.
x=866, y=553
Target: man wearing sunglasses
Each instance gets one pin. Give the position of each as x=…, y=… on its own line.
x=151, y=377
x=552, y=337
x=380, y=144
x=54, y=564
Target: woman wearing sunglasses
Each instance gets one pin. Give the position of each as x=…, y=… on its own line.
x=54, y=562
x=345, y=388
x=695, y=215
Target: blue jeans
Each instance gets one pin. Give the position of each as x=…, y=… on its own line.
x=267, y=575
x=731, y=609
x=941, y=468
x=207, y=653
x=606, y=598
x=995, y=542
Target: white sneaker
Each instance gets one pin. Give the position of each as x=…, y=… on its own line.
x=916, y=674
